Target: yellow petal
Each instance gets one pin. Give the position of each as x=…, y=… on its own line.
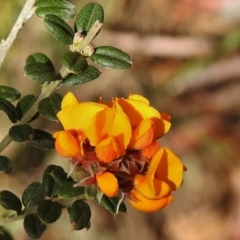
x=147, y=205
x=66, y=144
x=152, y=190
x=108, y=150
x=150, y=151
x=138, y=97
x=69, y=100
x=167, y=167
x=107, y=183
x=79, y=116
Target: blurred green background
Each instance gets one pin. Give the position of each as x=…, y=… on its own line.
x=186, y=61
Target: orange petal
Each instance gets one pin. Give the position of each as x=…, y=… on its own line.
x=147, y=205
x=167, y=167
x=66, y=144
x=108, y=150
x=143, y=135
x=150, y=151
x=107, y=183
x=152, y=190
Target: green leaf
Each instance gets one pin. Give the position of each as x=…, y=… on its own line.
x=48, y=182
x=10, y=201
x=110, y=57
x=60, y=8
x=68, y=190
x=39, y=58
x=33, y=195
x=74, y=62
x=50, y=106
x=60, y=176
x=5, y=165
x=88, y=75
x=111, y=204
x=24, y=105
x=9, y=93
x=59, y=28
x=89, y=14
x=42, y=139
x=21, y=133
x=9, y=109
x=91, y=192
x=33, y=226
x=49, y=211
x=80, y=214
x=41, y=72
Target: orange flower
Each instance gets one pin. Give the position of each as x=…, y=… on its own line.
x=147, y=123
x=163, y=176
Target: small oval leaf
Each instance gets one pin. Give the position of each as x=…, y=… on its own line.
x=9, y=109
x=10, y=201
x=49, y=211
x=33, y=195
x=41, y=72
x=9, y=93
x=21, y=133
x=59, y=28
x=88, y=75
x=74, y=62
x=50, y=106
x=80, y=214
x=110, y=57
x=48, y=182
x=33, y=226
x=111, y=204
x=24, y=105
x=60, y=176
x=39, y=58
x=68, y=190
x=91, y=192
x=60, y=8
x=89, y=14
x=42, y=139
x=5, y=165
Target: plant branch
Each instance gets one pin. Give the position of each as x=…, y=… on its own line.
x=25, y=14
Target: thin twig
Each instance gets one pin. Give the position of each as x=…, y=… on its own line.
x=25, y=14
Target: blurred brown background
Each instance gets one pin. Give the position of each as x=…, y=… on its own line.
x=186, y=60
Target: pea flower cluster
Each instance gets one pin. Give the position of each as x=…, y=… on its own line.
x=114, y=146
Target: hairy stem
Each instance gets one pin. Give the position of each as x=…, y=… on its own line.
x=25, y=14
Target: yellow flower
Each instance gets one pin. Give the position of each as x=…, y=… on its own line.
x=147, y=123
x=163, y=176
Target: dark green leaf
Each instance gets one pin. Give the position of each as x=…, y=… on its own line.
x=80, y=214
x=24, y=105
x=74, y=62
x=68, y=190
x=9, y=93
x=110, y=57
x=50, y=106
x=33, y=195
x=9, y=109
x=41, y=72
x=60, y=176
x=91, y=192
x=89, y=14
x=60, y=8
x=10, y=201
x=48, y=182
x=88, y=75
x=39, y=58
x=21, y=133
x=111, y=204
x=5, y=165
x=33, y=226
x=49, y=211
x=59, y=28
x=42, y=139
